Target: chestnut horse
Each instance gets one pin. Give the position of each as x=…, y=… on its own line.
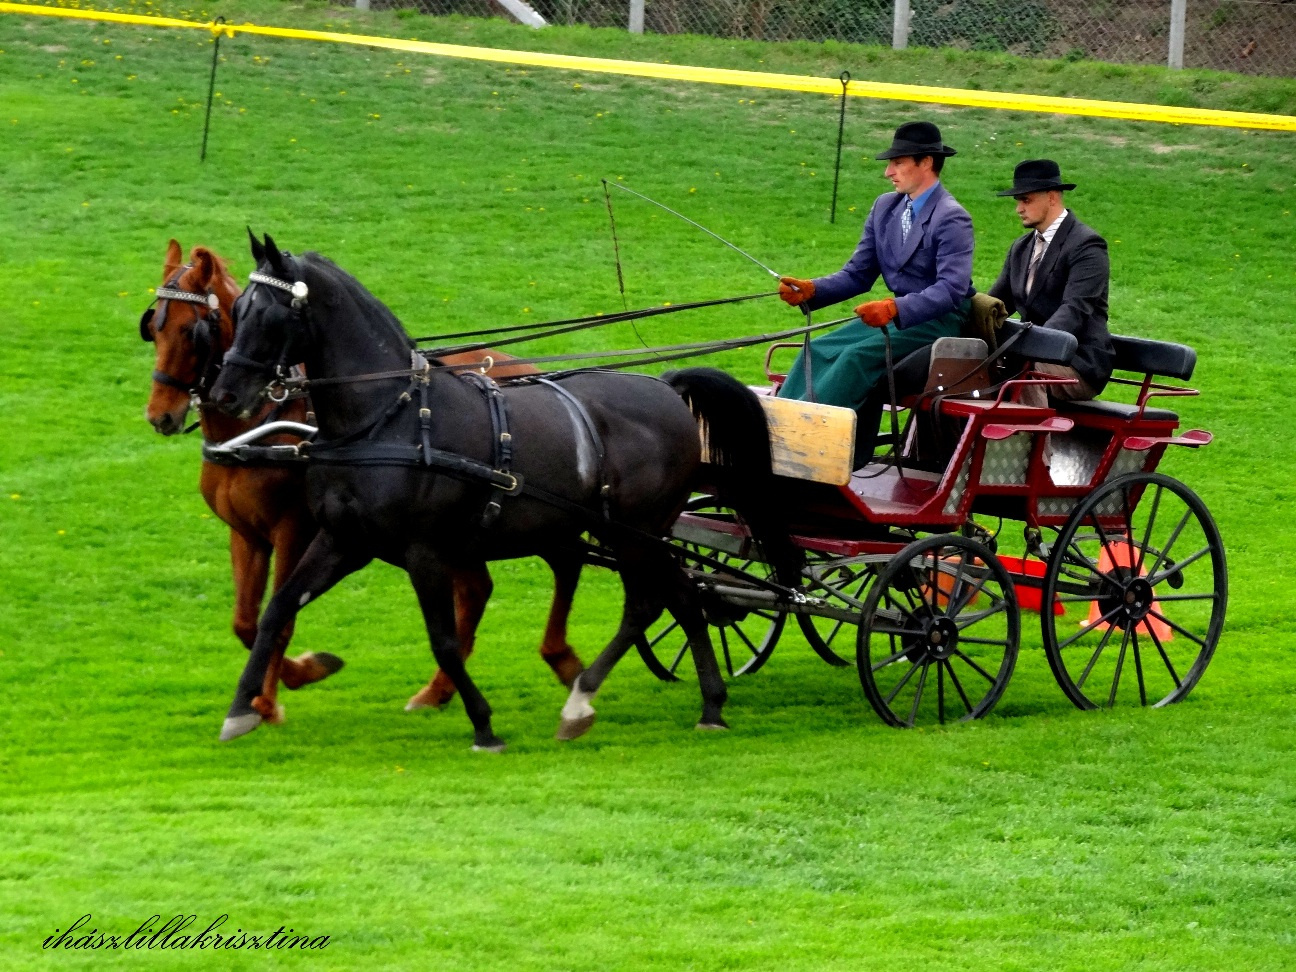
x=265, y=506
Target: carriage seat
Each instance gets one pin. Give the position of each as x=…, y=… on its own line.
x=1120, y=410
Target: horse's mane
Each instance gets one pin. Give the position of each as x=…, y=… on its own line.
x=371, y=306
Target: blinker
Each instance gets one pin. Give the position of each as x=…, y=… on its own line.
x=145, y=320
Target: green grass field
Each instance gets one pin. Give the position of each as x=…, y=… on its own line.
x=465, y=194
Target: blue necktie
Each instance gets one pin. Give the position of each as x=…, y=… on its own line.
x=906, y=221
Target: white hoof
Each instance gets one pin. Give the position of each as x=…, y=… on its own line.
x=278, y=718
x=711, y=727
x=496, y=748
x=239, y=726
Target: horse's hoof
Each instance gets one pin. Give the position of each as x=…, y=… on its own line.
x=569, y=729
x=312, y=667
x=425, y=698
x=711, y=725
x=276, y=716
x=494, y=746
x=328, y=661
x=236, y=726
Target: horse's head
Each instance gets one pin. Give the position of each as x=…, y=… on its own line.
x=271, y=330
x=191, y=325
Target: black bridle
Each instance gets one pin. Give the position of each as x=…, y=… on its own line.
x=298, y=292
x=206, y=333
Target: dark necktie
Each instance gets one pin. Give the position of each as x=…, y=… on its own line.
x=906, y=221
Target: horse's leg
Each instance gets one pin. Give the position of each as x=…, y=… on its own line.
x=250, y=559
x=651, y=579
x=434, y=585
x=323, y=565
x=643, y=605
x=291, y=536
x=554, y=649
x=472, y=589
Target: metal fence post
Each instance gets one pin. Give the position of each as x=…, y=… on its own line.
x=1178, y=14
x=900, y=25
x=636, y=16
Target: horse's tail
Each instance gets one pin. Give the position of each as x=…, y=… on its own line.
x=737, y=437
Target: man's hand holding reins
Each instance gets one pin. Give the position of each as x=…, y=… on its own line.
x=878, y=313
x=795, y=292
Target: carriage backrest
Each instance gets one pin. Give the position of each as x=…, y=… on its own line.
x=1163, y=359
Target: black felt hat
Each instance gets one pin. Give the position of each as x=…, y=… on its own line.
x=1036, y=175
x=916, y=139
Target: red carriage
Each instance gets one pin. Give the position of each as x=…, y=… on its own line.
x=903, y=577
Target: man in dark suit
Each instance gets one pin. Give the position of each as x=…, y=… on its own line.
x=919, y=240
x=1056, y=276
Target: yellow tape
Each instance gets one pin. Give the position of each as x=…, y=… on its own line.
x=1003, y=100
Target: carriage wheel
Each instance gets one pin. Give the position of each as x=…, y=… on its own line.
x=744, y=638
x=841, y=584
x=1139, y=571
x=939, y=635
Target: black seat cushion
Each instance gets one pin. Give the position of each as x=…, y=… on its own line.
x=1117, y=410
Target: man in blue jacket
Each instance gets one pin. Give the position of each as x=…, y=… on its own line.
x=919, y=239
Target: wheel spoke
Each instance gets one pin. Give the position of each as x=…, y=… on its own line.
x=1120, y=661
x=901, y=684
x=982, y=641
x=1147, y=534
x=1174, y=535
x=890, y=659
x=922, y=680
x=940, y=693
x=977, y=668
x=1102, y=537
x=1178, y=627
x=747, y=641
x=1093, y=659
x=881, y=629
x=1086, y=629
x=724, y=646
x=958, y=686
x=1156, y=579
x=1138, y=666
x=679, y=657
x=1084, y=560
x=971, y=619
x=975, y=590
x=1164, y=657
x=669, y=628
x=1188, y=597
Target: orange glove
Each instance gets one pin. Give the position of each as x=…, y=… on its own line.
x=795, y=292
x=878, y=313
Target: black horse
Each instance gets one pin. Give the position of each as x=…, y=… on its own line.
x=412, y=468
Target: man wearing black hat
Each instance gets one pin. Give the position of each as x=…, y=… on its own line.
x=919, y=240
x=1056, y=276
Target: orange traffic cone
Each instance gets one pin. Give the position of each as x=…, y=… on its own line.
x=1124, y=556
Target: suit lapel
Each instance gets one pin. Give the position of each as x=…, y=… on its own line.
x=1054, y=251
x=1020, y=264
x=919, y=228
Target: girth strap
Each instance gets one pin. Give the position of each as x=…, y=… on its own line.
x=501, y=439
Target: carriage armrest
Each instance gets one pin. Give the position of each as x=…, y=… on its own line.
x=1039, y=343
x=1161, y=358
x=1193, y=438
x=1001, y=431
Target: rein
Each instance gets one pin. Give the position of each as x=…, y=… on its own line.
x=575, y=324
